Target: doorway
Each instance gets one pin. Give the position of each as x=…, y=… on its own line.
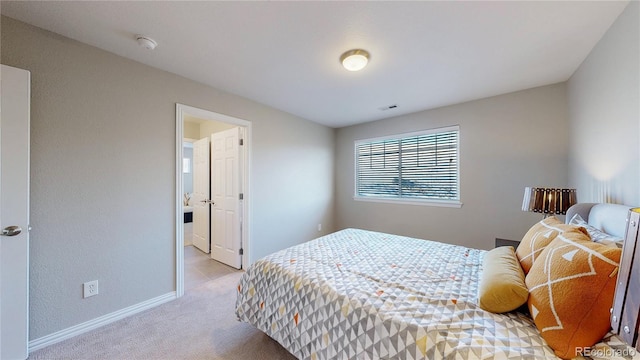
x=208, y=120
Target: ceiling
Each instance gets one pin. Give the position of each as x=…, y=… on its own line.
x=286, y=54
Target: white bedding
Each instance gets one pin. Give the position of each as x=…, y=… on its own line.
x=358, y=294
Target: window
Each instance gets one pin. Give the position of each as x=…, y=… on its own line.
x=186, y=165
x=416, y=167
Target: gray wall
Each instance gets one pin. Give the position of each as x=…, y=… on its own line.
x=103, y=178
x=507, y=142
x=605, y=116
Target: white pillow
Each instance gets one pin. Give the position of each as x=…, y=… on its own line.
x=596, y=234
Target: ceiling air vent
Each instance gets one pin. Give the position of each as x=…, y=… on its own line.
x=390, y=107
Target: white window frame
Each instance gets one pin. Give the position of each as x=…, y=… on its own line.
x=186, y=165
x=455, y=203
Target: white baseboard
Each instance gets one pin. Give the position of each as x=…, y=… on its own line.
x=98, y=322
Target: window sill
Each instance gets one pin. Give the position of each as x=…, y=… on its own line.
x=437, y=203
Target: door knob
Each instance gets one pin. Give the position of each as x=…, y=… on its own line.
x=11, y=231
x=207, y=201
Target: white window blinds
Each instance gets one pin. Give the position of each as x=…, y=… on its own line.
x=420, y=165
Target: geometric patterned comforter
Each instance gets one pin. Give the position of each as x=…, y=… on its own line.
x=358, y=294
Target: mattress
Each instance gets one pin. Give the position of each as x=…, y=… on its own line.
x=357, y=294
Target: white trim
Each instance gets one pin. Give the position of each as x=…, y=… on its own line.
x=181, y=111
x=98, y=322
x=410, y=201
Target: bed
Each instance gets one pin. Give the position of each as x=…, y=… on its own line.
x=358, y=294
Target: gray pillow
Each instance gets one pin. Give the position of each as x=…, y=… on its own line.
x=596, y=234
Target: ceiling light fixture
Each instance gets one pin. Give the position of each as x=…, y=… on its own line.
x=146, y=42
x=354, y=60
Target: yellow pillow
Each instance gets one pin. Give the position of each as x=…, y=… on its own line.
x=537, y=238
x=571, y=287
x=502, y=288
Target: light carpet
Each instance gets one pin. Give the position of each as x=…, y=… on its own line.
x=200, y=325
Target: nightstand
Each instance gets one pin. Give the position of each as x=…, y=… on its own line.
x=506, y=242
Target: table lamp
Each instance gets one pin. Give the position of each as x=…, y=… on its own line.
x=548, y=201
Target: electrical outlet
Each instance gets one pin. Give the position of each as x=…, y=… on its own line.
x=319, y=227
x=90, y=288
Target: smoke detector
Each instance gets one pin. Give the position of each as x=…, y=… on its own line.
x=146, y=42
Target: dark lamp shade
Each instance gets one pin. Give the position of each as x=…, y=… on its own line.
x=548, y=201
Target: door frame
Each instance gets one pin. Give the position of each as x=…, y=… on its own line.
x=181, y=111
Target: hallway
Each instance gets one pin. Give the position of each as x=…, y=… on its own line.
x=200, y=268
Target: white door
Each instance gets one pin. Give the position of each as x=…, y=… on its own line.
x=14, y=213
x=200, y=197
x=226, y=240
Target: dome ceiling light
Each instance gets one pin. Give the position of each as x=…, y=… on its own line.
x=354, y=60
